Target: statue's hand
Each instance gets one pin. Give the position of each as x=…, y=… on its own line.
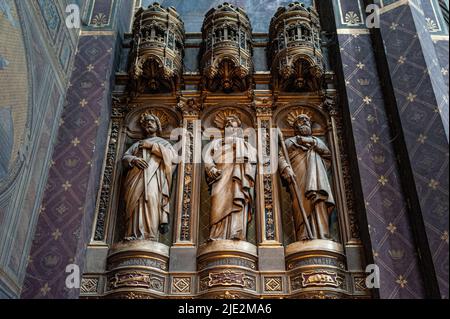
x=215, y=173
x=306, y=141
x=139, y=163
x=164, y=228
x=288, y=174
x=145, y=144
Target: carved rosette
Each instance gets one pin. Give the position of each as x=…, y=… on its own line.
x=156, y=59
x=295, y=52
x=226, y=62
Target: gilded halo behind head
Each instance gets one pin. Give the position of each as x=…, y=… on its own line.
x=222, y=117
x=160, y=118
x=295, y=116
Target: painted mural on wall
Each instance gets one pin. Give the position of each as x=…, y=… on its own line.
x=6, y=133
x=6, y=11
x=14, y=84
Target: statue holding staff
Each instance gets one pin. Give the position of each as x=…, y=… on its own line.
x=303, y=163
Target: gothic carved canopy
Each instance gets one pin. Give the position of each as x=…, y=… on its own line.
x=295, y=51
x=156, y=60
x=227, y=49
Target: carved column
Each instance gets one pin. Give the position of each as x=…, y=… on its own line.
x=270, y=249
x=189, y=178
x=267, y=167
x=183, y=262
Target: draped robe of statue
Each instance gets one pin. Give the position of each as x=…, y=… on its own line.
x=147, y=191
x=310, y=168
x=232, y=193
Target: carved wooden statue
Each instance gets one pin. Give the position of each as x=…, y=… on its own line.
x=305, y=169
x=148, y=183
x=230, y=172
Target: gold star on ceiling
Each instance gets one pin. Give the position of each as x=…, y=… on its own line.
x=66, y=186
x=402, y=281
x=375, y=139
x=401, y=60
x=83, y=103
x=383, y=180
x=75, y=142
x=433, y=184
x=367, y=100
x=422, y=138
x=444, y=236
x=56, y=234
x=411, y=97
x=392, y=228
x=393, y=26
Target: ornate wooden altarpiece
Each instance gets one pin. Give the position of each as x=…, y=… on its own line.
x=271, y=263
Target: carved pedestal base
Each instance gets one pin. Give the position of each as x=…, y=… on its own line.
x=316, y=270
x=137, y=270
x=227, y=270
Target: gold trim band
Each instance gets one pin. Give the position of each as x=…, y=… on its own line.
x=85, y=33
x=353, y=31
